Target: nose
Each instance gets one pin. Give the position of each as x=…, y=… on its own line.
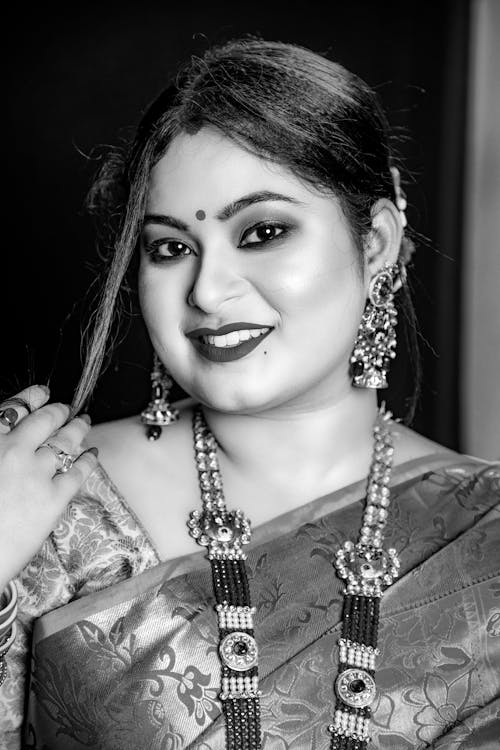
x=218, y=280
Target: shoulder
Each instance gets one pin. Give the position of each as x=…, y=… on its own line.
x=130, y=430
x=152, y=478
x=456, y=479
x=129, y=457
x=449, y=482
x=410, y=445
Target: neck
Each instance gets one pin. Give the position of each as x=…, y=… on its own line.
x=306, y=450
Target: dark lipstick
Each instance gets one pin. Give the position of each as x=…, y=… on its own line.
x=226, y=353
x=227, y=328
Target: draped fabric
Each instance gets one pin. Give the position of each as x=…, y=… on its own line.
x=97, y=543
x=134, y=665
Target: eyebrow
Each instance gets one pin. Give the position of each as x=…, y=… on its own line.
x=248, y=200
x=227, y=212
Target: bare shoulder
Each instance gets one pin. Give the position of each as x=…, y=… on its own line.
x=157, y=479
x=129, y=457
x=409, y=445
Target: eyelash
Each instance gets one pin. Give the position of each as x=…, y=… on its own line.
x=152, y=248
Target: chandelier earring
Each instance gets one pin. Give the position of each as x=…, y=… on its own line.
x=158, y=413
x=376, y=340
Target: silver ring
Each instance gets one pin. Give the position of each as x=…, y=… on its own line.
x=66, y=460
x=9, y=417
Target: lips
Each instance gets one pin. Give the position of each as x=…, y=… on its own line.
x=227, y=353
x=228, y=328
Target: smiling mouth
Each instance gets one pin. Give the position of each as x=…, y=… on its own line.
x=231, y=346
x=235, y=338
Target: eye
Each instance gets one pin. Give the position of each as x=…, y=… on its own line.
x=262, y=233
x=166, y=250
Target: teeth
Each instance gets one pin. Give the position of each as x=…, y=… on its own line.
x=235, y=337
x=232, y=339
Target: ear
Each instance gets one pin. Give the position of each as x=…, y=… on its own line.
x=384, y=238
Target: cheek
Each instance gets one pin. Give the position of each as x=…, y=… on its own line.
x=159, y=303
x=320, y=297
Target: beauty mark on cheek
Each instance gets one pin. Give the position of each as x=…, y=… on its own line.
x=200, y=215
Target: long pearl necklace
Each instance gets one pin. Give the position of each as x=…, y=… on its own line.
x=365, y=566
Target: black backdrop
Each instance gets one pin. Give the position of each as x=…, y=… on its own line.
x=79, y=77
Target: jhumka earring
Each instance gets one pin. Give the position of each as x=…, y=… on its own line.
x=158, y=413
x=376, y=340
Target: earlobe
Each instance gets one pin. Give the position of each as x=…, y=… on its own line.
x=384, y=238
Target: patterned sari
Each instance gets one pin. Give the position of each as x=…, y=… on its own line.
x=134, y=665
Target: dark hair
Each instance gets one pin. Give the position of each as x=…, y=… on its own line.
x=279, y=101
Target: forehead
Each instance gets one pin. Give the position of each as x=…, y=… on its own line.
x=207, y=170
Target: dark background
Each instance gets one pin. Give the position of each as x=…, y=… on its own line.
x=81, y=77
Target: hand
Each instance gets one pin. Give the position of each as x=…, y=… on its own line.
x=33, y=494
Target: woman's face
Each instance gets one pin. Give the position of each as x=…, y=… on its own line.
x=230, y=238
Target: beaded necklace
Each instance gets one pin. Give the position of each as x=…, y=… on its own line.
x=366, y=568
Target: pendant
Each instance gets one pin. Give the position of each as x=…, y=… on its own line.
x=223, y=532
x=238, y=651
x=355, y=687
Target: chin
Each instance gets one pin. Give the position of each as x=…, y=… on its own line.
x=241, y=398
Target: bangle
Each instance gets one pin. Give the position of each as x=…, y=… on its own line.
x=11, y=600
x=8, y=615
x=7, y=624
x=9, y=611
x=4, y=647
x=3, y=650
x=3, y=671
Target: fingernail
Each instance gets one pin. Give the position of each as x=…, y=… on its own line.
x=45, y=389
x=85, y=418
x=93, y=450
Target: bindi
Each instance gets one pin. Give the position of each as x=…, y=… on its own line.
x=200, y=215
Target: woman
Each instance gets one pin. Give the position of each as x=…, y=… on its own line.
x=264, y=221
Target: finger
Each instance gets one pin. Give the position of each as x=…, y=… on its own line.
x=70, y=436
x=23, y=403
x=68, y=439
x=39, y=426
x=69, y=483
x=35, y=395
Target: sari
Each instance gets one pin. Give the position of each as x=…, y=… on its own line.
x=134, y=665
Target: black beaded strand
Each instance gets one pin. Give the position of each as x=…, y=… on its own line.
x=366, y=567
x=367, y=570
x=223, y=533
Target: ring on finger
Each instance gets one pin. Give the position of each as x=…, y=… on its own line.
x=10, y=416
x=66, y=460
